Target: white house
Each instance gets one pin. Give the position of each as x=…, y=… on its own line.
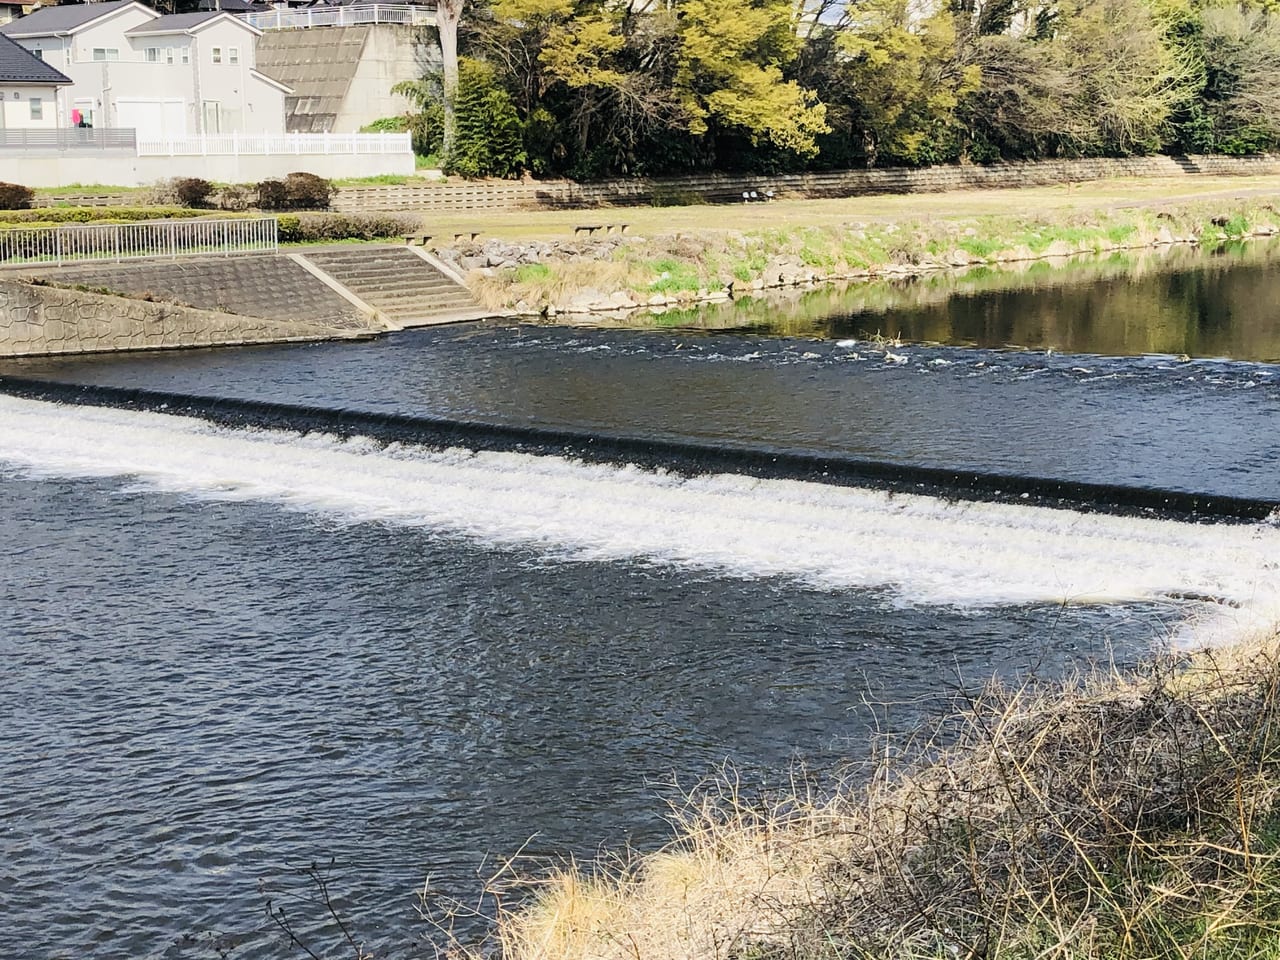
x=165, y=76
x=28, y=90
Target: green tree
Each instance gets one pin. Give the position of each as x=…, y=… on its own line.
x=730, y=72
x=488, y=141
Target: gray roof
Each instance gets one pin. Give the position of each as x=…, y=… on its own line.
x=48, y=21
x=174, y=22
x=19, y=66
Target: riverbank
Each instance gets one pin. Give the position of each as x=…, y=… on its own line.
x=1116, y=814
x=620, y=273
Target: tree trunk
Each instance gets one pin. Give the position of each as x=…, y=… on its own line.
x=448, y=13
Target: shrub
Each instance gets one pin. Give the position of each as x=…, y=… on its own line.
x=306, y=191
x=235, y=196
x=49, y=215
x=14, y=196
x=272, y=195
x=192, y=191
x=387, y=125
x=162, y=193
x=320, y=227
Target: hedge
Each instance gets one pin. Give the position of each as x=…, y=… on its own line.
x=318, y=227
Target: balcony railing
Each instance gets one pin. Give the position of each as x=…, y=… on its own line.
x=70, y=242
x=411, y=15
x=68, y=139
x=296, y=144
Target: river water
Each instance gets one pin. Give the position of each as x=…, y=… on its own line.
x=232, y=651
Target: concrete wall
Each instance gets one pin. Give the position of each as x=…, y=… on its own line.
x=129, y=171
x=38, y=320
x=342, y=76
x=391, y=54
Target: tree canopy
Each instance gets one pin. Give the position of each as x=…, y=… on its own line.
x=594, y=88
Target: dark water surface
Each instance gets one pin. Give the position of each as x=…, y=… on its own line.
x=1170, y=300
x=201, y=695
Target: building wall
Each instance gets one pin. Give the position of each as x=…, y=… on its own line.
x=16, y=108
x=202, y=96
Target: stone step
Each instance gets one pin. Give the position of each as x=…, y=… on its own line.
x=392, y=273
x=400, y=289
x=394, y=306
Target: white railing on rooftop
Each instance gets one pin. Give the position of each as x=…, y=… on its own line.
x=276, y=145
x=70, y=242
x=411, y=15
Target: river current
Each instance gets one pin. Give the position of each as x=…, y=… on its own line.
x=230, y=652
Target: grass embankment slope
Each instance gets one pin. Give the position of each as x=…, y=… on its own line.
x=696, y=252
x=1128, y=816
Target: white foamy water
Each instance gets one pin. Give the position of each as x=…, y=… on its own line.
x=928, y=551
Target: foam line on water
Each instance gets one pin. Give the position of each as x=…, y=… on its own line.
x=926, y=550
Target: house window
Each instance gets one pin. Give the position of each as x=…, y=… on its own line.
x=153, y=54
x=106, y=53
x=38, y=53
x=37, y=108
x=168, y=55
x=186, y=54
x=233, y=54
x=217, y=54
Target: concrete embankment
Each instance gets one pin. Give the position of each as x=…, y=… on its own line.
x=327, y=293
x=37, y=320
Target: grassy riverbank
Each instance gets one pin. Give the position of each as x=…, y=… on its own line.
x=1119, y=816
x=670, y=268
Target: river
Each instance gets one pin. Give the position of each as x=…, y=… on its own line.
x=232, y=651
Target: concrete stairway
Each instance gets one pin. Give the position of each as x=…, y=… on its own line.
x=402, y=286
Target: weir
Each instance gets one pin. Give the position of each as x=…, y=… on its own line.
x=928, y=550
x=685, y=457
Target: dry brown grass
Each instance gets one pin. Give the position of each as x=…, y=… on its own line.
x=1125, y=816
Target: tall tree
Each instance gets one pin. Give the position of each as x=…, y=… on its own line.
x=448, y=15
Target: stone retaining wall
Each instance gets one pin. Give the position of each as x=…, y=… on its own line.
x=721, y=188
x=39, y=320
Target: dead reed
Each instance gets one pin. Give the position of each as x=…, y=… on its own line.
x=1117, y=816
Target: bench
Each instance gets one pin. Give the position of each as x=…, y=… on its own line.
x=417, y=239
x=591, y=228
x=752, y=196
x=466, y=235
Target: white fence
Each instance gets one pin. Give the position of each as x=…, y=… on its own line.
x=410, y=15
x=129, y=241
x=277, y=145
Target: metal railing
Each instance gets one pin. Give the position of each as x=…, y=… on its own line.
x=273, y=145
x=67, y=139
x=70, y=242
x=411, y=15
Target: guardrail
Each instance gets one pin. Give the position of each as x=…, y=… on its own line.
x=410, y=15
x=289, y=144
x=68, y=139
x=133, y=241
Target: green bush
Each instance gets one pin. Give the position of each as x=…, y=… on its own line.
x=14, y=196
x=273, y=195
x=306, y=191
x=96, y=214
x=322, y=227
x=387, y=125
x=192, y=191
